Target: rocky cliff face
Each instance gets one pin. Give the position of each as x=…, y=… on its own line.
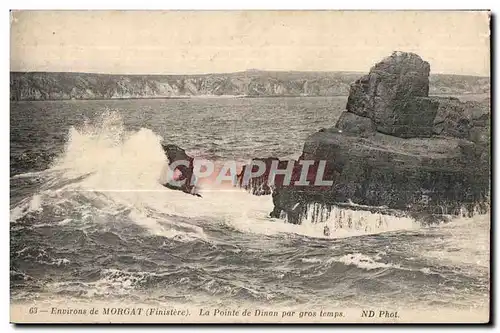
x=398, y=148
x=55, y=86
x=63, y=86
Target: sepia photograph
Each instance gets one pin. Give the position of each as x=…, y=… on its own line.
x=250, y=166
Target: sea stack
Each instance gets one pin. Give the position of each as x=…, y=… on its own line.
x=398, y=147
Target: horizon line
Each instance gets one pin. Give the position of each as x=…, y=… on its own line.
x=236, y=72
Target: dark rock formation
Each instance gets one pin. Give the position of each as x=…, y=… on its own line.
x=279, y=189
x=259, y=185
x=398, y=148
x=394, y=96
x=176, y=154
x=462, y=119
x=355, y=124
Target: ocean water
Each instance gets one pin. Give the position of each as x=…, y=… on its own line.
x=90, y=222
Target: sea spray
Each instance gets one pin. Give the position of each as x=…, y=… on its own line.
x=150, y=245
x=119, y=172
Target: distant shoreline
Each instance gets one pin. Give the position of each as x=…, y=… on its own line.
x=80, y=86
x=174, y=97
x=484, y=95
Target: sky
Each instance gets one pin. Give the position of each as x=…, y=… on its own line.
x=189, y=42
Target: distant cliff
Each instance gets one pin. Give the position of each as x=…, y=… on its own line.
x=63, y=86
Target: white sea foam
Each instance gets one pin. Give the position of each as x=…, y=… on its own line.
x=464, y=242
x=29, y=174
x=111, y=282
x=31, y=205
x=363, y=261
x=344, y=222
x=118, y=171
x=311, y=260
x=359, y=260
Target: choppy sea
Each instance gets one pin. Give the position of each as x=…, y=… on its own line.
x=89, y=220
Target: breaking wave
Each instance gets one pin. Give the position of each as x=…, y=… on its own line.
x=114, y=171
x=108, y=170
x=106, y=227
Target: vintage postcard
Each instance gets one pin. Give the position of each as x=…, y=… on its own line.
x=250, y=167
